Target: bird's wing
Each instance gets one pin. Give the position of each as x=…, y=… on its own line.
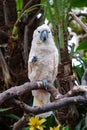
x=30, y=62
x=55, y=64
x=29, y=68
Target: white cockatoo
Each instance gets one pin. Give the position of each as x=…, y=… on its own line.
x=42, y=64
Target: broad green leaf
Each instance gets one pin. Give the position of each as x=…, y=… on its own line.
x=79, y=3
x=82, y=45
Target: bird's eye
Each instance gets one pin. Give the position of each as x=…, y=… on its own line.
x=38, y=31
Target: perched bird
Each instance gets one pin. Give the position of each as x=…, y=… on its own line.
x=42, y=63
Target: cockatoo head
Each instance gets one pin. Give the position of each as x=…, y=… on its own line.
x=42, y=33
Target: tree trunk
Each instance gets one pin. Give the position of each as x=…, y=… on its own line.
x=65, y=81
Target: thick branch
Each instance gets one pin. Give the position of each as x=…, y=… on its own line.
x=28, y=86
x=51, y=106
x=23, y=89
x=61, y=100
x=48, y=107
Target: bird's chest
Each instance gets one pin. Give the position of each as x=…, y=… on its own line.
x=44, y=56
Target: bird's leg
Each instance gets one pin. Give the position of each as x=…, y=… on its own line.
x=34, y=59
x=45, y=83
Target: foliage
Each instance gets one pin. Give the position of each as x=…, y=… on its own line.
x=59, y=127
x=57, y=14
x=20, y=14
x=5, y=114
x=82, y=45
x=79, y=3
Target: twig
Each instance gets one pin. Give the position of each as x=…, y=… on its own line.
x=78, y=21
x=81, y=37
x=26, y=42
x=74, y=91
x=27, y=6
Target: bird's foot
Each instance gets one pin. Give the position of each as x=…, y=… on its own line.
x=45, y=83
x=34, y=59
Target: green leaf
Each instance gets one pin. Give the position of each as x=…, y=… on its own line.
x=84, y=128
x=15, y=31
x=66, y=128
x=27, y=128
x=78, y=126
x=12, y=116
x=86, y=120
x=26, y=12
x=82, y=45
x=5, y=109
x=79, y=3
x=19, y=5
x=79, y=71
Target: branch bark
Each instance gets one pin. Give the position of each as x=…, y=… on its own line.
x=28, y=86
x=50, y=106
x=23, y=89
x=78, y=21
x=21, y=123
x=60, y=100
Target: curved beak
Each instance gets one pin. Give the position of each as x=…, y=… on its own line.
x=44, y=35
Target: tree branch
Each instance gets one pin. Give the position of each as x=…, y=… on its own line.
x=59, y=102
x=21, y=123
x=78, y=21
x=50, y=106
x=74, y=91
x=23, y=89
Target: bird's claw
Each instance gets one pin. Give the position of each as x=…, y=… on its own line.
x=34, y=59
x=45, y=83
